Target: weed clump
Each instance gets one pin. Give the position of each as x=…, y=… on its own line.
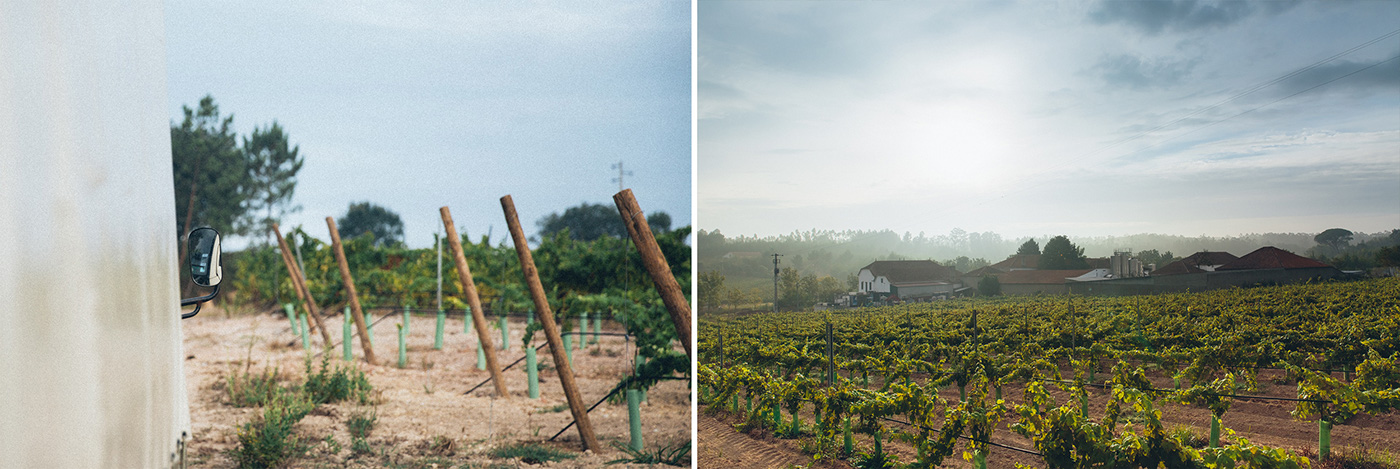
x=670, y=455
x=269, y=440
x=253, y=390
x=334, y=384
x=530, y=453
x=360, y=424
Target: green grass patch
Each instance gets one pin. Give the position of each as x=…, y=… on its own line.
x=530, y=453
x=1188, y=437
x=556, y=409
x=670, y=455
x=253, y=390
x=338, y=383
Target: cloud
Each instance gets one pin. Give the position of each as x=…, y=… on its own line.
x=1155, y=16
x=1132, y=71
x=1384, y=75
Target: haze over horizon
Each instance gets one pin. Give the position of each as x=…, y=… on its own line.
x=1030, y=118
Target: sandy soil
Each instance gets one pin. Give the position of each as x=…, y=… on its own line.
x=424, y=401
x=1261, y=421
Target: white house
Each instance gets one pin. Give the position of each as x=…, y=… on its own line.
x=908, y=279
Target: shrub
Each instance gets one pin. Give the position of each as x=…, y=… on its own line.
x=268, y=441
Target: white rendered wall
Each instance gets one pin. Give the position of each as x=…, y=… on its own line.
x=91, y=369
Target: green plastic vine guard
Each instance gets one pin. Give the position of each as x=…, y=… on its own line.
x=467, y=322
x=305, y=339
x=597, y=328
x=879, y=448
x=292, y=318
x=847, y=446
x=1214, y=431
x=406, y=308
x=979, y=459
x=480, y=356
x=505, y=334
x=1324, y=439
x=634, y=419
x=532, y=373
x=403, y=346
x=582, y=329
x=369, y=329
x=569, y=348
x=441, y=323
x=638, y=370
x=796, y=429
x=346, y=353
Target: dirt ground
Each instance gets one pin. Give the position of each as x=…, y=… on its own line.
x=425, y=419
x=1260, y=421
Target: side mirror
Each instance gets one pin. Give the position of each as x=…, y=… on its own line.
x=205, y=268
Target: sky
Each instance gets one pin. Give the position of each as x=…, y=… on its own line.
x=416, y=105
x=1027, y=118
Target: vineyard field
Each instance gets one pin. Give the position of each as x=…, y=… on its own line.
x=1282, y=376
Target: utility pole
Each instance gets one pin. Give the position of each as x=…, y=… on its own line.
x=775, y=281
x=438, y=241
x=620, y=174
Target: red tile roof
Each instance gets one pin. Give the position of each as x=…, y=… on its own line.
x=1024, y=261
x=1209, y=258
x=1177, y=268
x=1040, y=277
x=983, y=271
x=1269, y=257
x=900, y=272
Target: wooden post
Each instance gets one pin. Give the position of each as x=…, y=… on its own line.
x=551, y=330
x=656, y=265
x=355, y=311
x=299, y=284
x=464, y=274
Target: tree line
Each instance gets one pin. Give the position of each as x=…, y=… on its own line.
x=737, y=272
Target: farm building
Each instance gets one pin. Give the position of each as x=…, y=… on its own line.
x=1038, y=282
x=1204, y=261
x=908, y=280
x=1017, y=262
x=1265, y=266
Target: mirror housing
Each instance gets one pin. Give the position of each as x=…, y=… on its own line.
x=205, y=267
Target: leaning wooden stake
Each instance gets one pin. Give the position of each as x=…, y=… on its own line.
x=478, y=318
x=551, y=330
x=299, y=284
x=656, y=265
x=355, y=311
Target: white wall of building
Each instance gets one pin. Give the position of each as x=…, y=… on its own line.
x=868, y=282
x=90, y=337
